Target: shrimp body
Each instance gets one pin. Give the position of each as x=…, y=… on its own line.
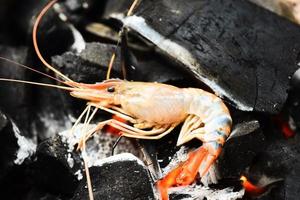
x=157, y=104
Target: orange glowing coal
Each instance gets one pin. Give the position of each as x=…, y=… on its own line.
x=113, y=130
x=284, y=126
x=250, y=188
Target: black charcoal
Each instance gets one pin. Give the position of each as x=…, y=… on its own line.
x=232, y=46
x=118, y=177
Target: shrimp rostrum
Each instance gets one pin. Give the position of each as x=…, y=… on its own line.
x=154, y=110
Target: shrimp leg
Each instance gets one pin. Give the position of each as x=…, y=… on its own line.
x=127, y=131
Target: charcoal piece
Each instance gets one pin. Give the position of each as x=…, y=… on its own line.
x=239, y=152
x=179, y=196
x=279, y=160
x=197, y=192
x=74, y=10
x=16, y=183
x=16, y=108
x=35, y=194
x=90, y=65
x=55, y=166
x=232, y=46
x=116, y=6
x=151, y=67
x=52, y=111
x=8, y=145
x=14, y=147
x=118, y=177
x=243, y=123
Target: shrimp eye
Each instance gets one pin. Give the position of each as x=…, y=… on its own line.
x=110, y=89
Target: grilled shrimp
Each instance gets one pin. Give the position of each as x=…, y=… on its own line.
x=160, y=108
x=154, y=110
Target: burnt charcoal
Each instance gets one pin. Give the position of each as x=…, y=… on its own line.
x=151, y=67
x=90, y=65
x=16, y=183
x=239, y=152
x=15, y=97
x=14, y=147
x=74, y=10
x=179, y=196
x=232, y=46
x=280, y=160
x=9, y=145
x=54, y=35
x=35, y=194
x=118, y=177
x=52, y=112
x=116, y=6
x=16, y=20
x=55, y=167
x=197, y=192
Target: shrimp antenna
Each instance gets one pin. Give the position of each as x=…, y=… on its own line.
x=35, y=44
x=34, y=70
x=41, y=84
x=112, y=59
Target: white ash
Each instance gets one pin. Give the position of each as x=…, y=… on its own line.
x=212, y=176
x=79, y=43
x=73, y=135
x=99, y=146
x=26, y=146
x=292, y=123
x=70, y=160
x=180, y=156
x=118, y=158
x=178, y=52
x=79, y=175
x=53, y=125
x=197, y=192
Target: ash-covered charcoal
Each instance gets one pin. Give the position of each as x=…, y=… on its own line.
x=116, y=6
x=226, y=45
x=55, y=167
x=54, y=35
x=100, y=146
x=14, y=147
x=196, y=192
x=35, y=194
x=15, y=97
x=151, y=67
x=278, y=165
x=57, y=159
x=118, y=177
x=74, y=10
x=53, y=113
x=90, y=65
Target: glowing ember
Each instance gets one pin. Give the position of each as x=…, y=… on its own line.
x=251, y=189
x=113, y=130
x=284, y=126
